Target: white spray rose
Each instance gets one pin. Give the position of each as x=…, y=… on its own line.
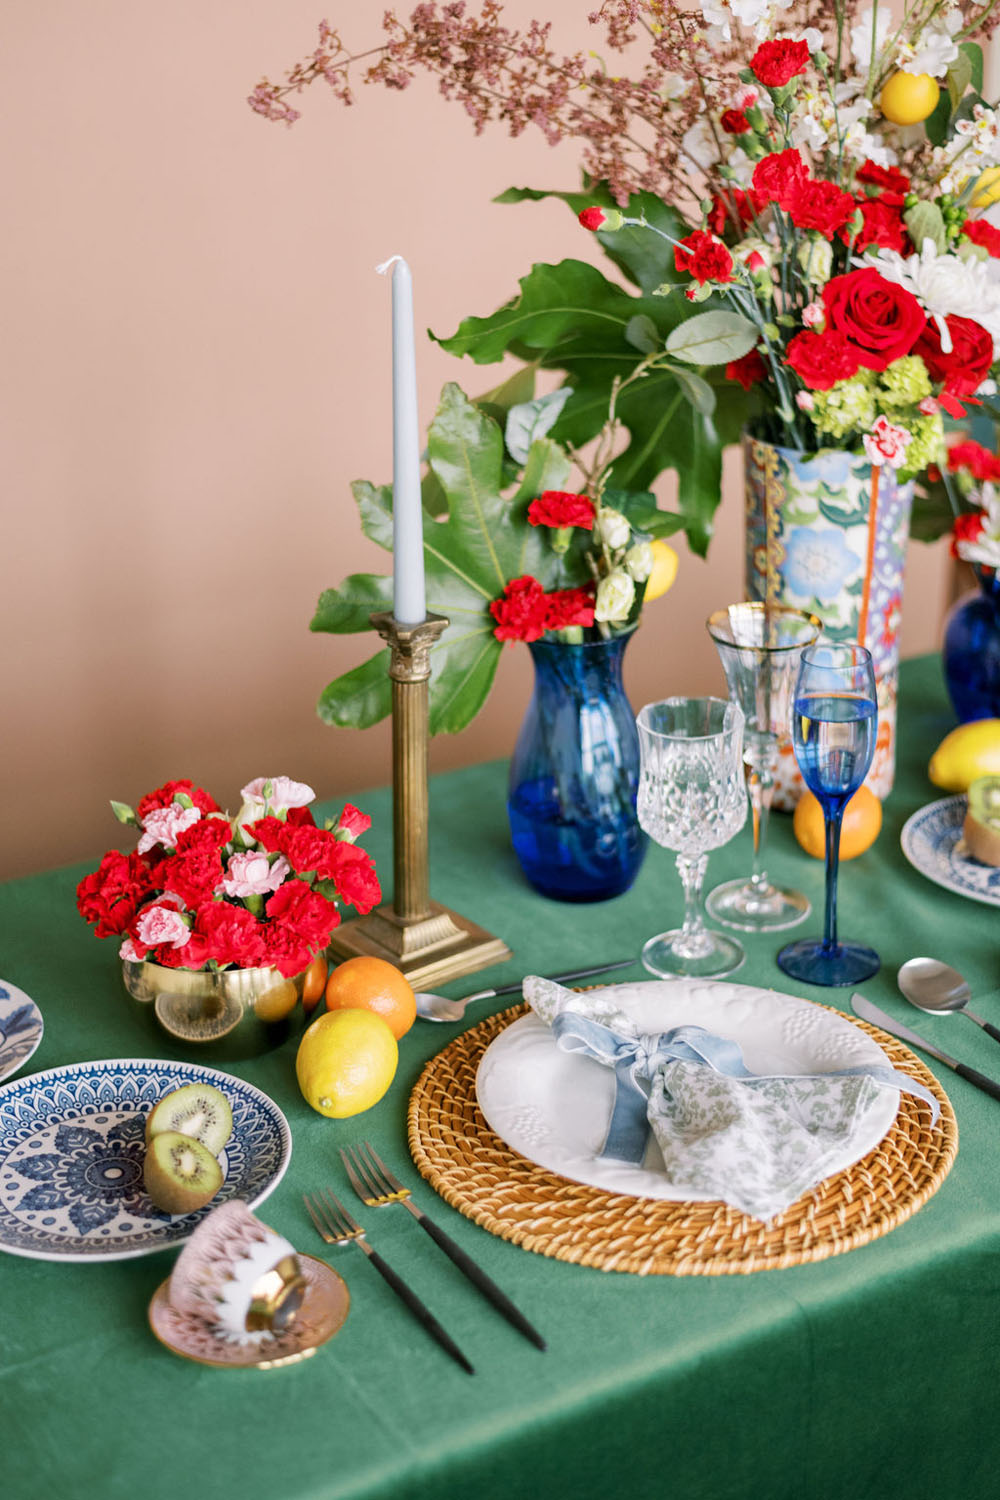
x=615, y=530
x=816, y=259
x=615, y=596
x=638, y=561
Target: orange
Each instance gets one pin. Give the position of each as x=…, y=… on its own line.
x=314, y=983
x=859, y=830
x=372, y=984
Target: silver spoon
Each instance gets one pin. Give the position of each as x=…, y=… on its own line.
x=936, y=987
x=437, y=1008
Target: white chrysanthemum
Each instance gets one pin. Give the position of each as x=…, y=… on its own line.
x=946, y=286
x=934, y=49
x=985, y=548
x=861, y=35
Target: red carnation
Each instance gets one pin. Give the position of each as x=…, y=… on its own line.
x=777, y=178
x=595, y=218
x=881, y=320
x=232, y=935
x=733, y=210
x=165, y=795
x=882, y=226
x=570, y=607
x=560, y=508
x=776, y=63
x=520, y=611
x=966, y=528
x=352, y=824
x=194, y=877
x=703, y=257
x=819, y=205
x=308, y=849
x=749, y=370
x=821, y=359
x=353, y=873
x=975, y=459
x=892, y=184
x=305, y=911
x=287, y=950
x=735, y=122
x=109, y=897
x=207, y=834
x=268, y=832
x=968, y=363
x=980, y=232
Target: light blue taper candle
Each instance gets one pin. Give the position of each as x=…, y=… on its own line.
x=409, y=605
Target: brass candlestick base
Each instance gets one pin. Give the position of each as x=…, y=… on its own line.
x=427, y=941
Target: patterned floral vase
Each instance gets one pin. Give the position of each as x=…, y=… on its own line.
x=827, y=533
x=972, y=650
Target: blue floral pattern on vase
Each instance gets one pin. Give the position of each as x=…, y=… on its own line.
x=72, y=1151
x=972, y=650
x=828, y=534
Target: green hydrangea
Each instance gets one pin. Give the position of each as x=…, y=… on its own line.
x=926, y=445
x=847, y=407
x=903, y=383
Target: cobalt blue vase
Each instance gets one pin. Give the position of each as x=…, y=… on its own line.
x=972, y=650
x=574, y=774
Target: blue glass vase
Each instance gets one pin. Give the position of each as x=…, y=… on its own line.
x=972, y=650
x=574, y=774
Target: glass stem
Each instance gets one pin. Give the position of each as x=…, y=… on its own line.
x=760, y=786
x=834, y=818
x=691, y=869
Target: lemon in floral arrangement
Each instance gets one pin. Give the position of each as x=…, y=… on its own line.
x=908, y=98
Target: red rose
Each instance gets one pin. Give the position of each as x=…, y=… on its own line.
x=194, y=877
x=570, y=607
x=964, y=369
x=966, y=528
x=207, y=834
x=882, y=320
x=703, y=257
x=352, y=824
x=164, y=796
x=819, y=205
x=882, y=226
x=109, y=898
x=776, y=63
x=559, y=508
x=353, y=873
x=977, y=460
x=980, y=232
x=735, y=122
x=892, y=184
x=821, y=359
x=232, y=935
x=776, y=178
x=749, y=370
x=520, y=611
x=733, y=210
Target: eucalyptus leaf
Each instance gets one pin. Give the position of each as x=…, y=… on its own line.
x=712, y=338
x=531, y=420
x=958, y=78
x=974, y=53
x=697, y=390
x=641, y=332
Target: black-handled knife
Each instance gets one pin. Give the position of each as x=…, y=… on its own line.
x=870, y=1012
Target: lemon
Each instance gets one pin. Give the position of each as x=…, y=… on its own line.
x=346, y=1062
x=860, y=828
x=908, y=98
x=987, y=188
x=968, y=752
x=664, y=570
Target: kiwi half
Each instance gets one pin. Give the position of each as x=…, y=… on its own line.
x=981, y=829
x=197, y=1110
x=181, y=1174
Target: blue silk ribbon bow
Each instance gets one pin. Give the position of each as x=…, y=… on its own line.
x=635, y=1058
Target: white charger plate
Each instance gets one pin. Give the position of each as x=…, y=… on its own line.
x=554, y=1107
x=72, y=1148
x=931, y=839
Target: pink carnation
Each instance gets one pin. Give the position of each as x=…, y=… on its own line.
x=886, y=443
x=163, y=824
x=158, y=925
x=253, y=875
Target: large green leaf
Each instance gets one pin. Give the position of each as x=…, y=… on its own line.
x=480, y=542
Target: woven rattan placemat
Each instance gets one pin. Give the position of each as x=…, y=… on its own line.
x=475, y=1172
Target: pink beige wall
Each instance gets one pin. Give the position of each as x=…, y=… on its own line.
x=196, y=363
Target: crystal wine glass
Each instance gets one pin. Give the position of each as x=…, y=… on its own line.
x=834, y=721
x=760, y=646
x=692, y=798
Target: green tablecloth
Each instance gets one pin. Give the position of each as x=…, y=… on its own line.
x=872, y=1374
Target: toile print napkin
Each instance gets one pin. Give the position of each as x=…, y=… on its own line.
x=756, y=1141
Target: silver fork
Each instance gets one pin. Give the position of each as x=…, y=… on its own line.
x=336, y=1226
x=376, y=1186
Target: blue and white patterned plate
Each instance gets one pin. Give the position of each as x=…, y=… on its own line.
x=21, y=1028
x=72, y=1149
x=932, y=841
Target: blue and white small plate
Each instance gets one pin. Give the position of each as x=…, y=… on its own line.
x=21, y=1028
x=932, y=841
x=72, y=1147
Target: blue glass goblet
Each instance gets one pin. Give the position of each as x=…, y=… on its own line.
x=833, y=732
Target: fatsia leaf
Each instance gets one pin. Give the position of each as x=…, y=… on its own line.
x=360, y=697
x=348, y=609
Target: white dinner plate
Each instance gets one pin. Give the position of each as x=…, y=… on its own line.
x=21, y=1028
x=72, y=1148
x=932, y=841
x=554, y=1107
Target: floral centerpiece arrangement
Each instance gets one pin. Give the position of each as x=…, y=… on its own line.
x=204, y=891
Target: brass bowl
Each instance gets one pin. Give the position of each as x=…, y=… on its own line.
x=240, y=1012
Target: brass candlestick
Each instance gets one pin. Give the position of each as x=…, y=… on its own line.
x=428, y=942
